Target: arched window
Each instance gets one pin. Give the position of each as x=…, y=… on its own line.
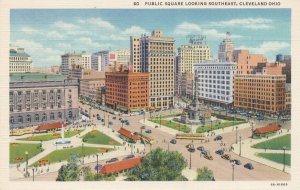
x=51, y=116
x=37, y=117
x=59, y=115
x=28, y=118
x=70, y=114
x=44, y=117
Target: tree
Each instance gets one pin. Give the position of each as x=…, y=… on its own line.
x=71, y=171
x=159, y=165
x=90, y=176
x=204, y=174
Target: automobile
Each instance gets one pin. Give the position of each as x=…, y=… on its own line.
x=191, y=149
x=102, y=120
x=220, y=152
x=237, y=162
x=201, y=148
x=112, y=160
x=173, y=141
x=99, y=118
x=226, y=156
x=127, y=123
x=148, y=131
x=217, y=138
x=98, y=115
x=128, y=157
x=110, y=123
x=260, y=117
x=156, y=126
x=249, y=166
x=243, y=113
x=208, y=157
x=204, y=152
x=120, y=119
x=189, y=146
x=114, y=117
x=232, y=111
x=99, y=166
x=136, y=133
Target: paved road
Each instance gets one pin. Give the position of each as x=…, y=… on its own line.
x=221, y=168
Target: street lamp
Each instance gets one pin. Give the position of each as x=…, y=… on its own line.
x=160, y=121
x=32, y=174
x=240, y=145
x=236, y=128
x=233, y=170
x=108, y=121
x=284, y=148
x=97, y=166
x=252, y=128
x=190, y=159
x=26, y=172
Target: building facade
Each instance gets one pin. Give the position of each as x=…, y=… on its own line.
x=19, y=60
x=76, y=71
x=123, y=56
x=36, y=98
x=86, y=60
x=214, y=82
x=246, y=62
x=127, y=91
x=288, y=97
x=226, y=48
x=91, y=84
x=156, y=54
x=101, y=59
x=261, y=93
x=69, y=59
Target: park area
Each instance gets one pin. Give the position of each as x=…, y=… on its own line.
x=218, y=125
x=227, y=118
x=171, y=124
x=96, y=137
x=276, y=157
x=275, y=143
x=64, y=154
x=50, y=136
x=17, y=151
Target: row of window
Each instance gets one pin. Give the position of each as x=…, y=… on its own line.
x=38, y=117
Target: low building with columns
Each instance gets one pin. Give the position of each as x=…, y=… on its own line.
x=39, y=98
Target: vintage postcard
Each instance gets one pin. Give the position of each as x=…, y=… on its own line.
x=149, y=94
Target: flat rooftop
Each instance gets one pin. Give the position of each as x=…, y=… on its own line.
x=15, y=77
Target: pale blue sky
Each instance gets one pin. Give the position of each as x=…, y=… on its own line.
x=48, y=33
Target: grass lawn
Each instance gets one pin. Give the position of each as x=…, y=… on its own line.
x=64, y=154
x=276, y=143
x=17, y=151
x=227, y=118
x=96, y=137
x=276, y=157
x=208, y=127
x=173, y=125
x=50, y=136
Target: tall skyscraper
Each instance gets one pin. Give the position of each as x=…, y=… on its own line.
x=226, y=48
x=123, y=56
x=155, y=54
x=102, y=59
x=69, y=59
x=19, y=60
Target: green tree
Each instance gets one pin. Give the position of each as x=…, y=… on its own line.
x=204, y=174
x=159, y=165
x=71, y=171
x=90, y=176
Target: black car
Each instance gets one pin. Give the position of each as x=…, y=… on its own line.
x=220, y=152
x=128, y=157
x=173, y=141
x=120, y=119
x=191, y=149
x=204, y=152
x=148, y=131
x=217, y=138
x=201, y=148
x=110, y=123
x=249, y=166
x=98, y=167
x=99, y=118
x=126, y=123
x=236, y=162
x=136, y=133
x=114, y=117
x=112, y=160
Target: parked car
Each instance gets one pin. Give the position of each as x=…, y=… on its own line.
x=99, y=118
x=208, y=157
x=243, y=113
x=191, y=149
x=237, y=162
x=127, y=123
x=201, y=148
x=128, y=157
x=110, y=123
x=136, y=133
x=220, y=152
x=226, y=156
x=148, y=131
x=204, y=152
x=120, y=119
x=173, y=141
x=260, y=117
x=99, y=166
x=156, y=126
x=217, y=138
x=112, y=160
x=114, y=117
x=249, y=166
x=98, y=115
x=189, y=145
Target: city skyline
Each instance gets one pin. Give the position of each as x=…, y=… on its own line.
x=47, y=34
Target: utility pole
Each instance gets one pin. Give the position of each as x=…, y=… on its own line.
x=240, y=145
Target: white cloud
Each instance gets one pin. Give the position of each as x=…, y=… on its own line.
x=249, y=23
x=89, y=43
x=54, y=34
x=187, y=28
x=98, y=22
x=65, y=26
x=29, y=30
x=133, y=30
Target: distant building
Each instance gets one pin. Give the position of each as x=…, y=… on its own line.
x=214, y=82
x=127, y=91
x=261, y=93
x=288, y=97
x=69, y=59
x=36, y=98
x=123, y=56
x=76, y=71
x=287, y=69
x=187, y=85
x=101, y=59
x=156, y=54
x=19, y=60
x=246, y=62
x=226, y=48
x=86, y=60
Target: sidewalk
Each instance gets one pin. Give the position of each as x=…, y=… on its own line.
x=250, y=153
